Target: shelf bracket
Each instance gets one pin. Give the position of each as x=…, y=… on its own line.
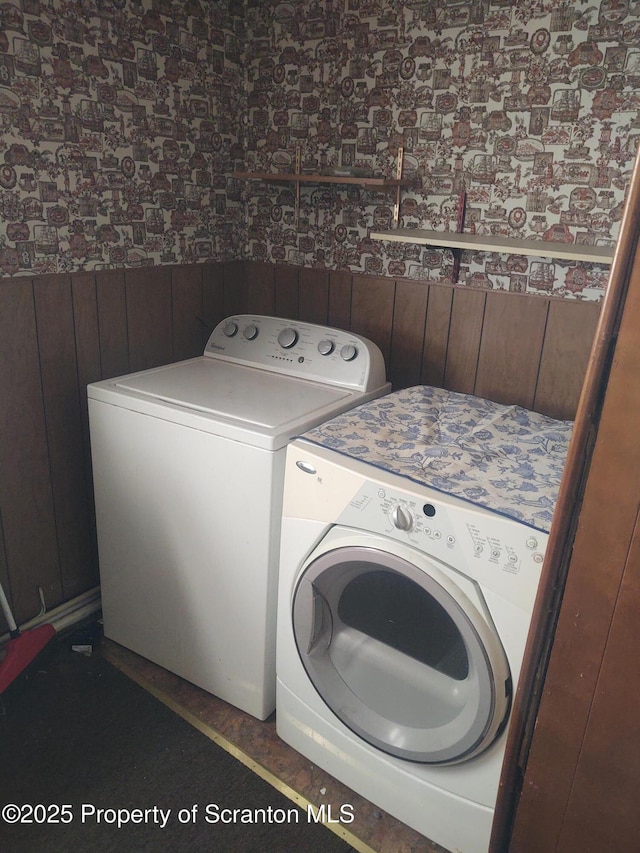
x=399, y=169
x=462, y=205
x=298, y=170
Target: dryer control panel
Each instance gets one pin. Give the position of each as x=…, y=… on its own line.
x=497, y=552
x=305, y=350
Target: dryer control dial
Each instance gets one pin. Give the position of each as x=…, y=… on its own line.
x=401, y=518
x=230, y=329
x=287, y=338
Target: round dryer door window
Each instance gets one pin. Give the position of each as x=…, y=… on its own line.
x=400, y=654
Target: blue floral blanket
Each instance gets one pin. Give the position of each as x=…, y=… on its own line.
x=504, y=458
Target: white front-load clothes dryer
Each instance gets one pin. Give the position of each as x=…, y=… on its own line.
x=402, y=619
x=188, y=466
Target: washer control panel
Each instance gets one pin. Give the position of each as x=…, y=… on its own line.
x=295, y=348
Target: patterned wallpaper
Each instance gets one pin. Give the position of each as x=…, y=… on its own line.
x=123, y=121
x=532, y=107
x=119, y=127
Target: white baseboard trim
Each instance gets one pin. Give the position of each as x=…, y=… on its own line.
x=67, y=614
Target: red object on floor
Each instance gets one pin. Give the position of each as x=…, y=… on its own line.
x=20, y=651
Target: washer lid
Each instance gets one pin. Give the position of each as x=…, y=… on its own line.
x=255, y=406
x=257, y=397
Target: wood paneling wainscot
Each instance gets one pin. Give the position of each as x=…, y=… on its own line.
x=463, y=344
x=564, y=356
x=61, y=332
x=408, y=335
x=26, y=500
x=60, y=365
x=525, y=350
x=57, y=334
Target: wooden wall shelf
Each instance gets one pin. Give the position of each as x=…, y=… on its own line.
x=504, y=245
x=382, y=184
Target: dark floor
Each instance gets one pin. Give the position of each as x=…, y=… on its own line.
x=257, y=744
x=93, y=761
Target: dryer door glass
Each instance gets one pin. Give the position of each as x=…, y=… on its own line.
x=411, y=668
x=391, y=608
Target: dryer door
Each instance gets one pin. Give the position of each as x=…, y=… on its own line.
x=401, y=655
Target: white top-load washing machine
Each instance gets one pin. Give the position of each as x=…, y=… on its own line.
x=414, y=530
x=188, y=466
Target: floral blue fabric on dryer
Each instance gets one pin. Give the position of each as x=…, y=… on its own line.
x=504, y=458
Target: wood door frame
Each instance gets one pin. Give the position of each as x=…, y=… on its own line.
x=535, y=787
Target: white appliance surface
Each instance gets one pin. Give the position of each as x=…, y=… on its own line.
x=188, y=463
x=341, y=512
x=243, y=394
x=230, y=400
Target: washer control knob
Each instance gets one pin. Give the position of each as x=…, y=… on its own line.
x=230, y=329
x=348, y=352
x=325, y=347
x=250, y=332
x=401, y=518
x=288, y=338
